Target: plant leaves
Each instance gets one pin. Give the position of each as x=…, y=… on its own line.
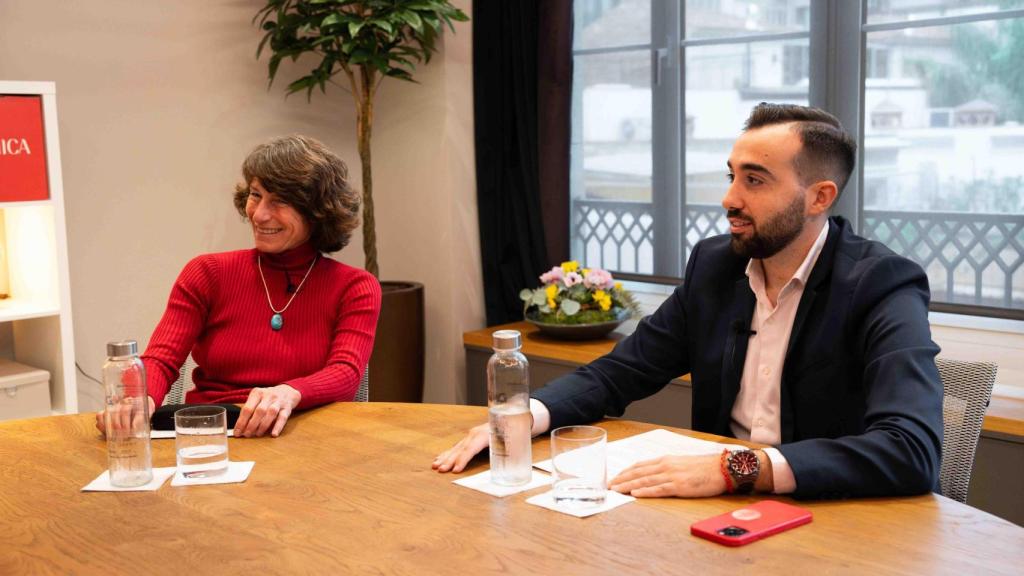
x=539, y=298
x=570, y=307
x=525, y=294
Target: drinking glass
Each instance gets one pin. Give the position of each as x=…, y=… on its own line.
x=579, y=463
x=201, y=441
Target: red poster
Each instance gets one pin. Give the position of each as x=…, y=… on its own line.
x=22, y=149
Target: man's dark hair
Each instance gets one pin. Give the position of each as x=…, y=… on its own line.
x=828, y=152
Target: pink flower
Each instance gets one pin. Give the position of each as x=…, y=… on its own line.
x=598, y=278
x=553, y=275
x=571, y=279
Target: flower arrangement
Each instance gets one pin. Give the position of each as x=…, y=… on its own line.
x=571, y=295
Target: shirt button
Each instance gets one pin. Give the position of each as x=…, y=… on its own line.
x=759, y=422
x=766, y=371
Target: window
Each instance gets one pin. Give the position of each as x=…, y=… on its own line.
x=941, y=161
x=933, y=89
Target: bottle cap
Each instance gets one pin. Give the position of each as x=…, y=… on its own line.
x=506, y=340
x=122, y=348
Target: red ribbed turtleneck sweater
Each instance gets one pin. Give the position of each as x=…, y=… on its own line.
x=218, y=311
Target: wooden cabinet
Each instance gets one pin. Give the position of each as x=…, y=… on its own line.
x=35, y=318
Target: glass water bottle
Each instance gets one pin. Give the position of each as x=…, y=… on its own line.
x=127, y=415
x=508, y=402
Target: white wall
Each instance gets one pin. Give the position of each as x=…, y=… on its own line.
x=160, y=102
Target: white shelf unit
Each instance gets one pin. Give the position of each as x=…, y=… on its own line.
x=39, y=307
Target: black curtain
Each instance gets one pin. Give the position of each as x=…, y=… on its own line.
x=512, y=77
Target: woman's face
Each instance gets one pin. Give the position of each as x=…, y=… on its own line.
x=276, y=226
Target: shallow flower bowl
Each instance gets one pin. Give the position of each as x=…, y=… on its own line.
x=593, y=331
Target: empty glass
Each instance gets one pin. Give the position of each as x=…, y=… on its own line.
x=579, y=463
x=201, y=441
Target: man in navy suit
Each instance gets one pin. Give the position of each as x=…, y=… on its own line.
x=797, y=334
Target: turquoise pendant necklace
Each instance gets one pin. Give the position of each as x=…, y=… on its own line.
x=277, y=321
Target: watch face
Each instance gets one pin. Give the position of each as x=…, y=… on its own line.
x=744, y=464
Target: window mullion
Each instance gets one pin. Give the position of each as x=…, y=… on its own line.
x=668, y=170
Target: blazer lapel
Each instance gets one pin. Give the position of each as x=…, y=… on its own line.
x=735, y=353
x=822, y=269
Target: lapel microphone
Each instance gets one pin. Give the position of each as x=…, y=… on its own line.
x=740, y=328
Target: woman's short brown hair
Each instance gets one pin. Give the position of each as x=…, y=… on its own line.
x=302, y=172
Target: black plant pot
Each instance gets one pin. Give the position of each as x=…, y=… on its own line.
x=396, y=365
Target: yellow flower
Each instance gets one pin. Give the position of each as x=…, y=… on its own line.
x=618, y=285
x=606, y=304
x=570, y=266
x=551, y=303
x=599, y=295
x=551, y=291
x=585, y=271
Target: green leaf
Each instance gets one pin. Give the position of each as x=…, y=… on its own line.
x=331, y=19
x=570, y=307
x=525, y=294
x=384, y=25
x=539, y=298
x=412, y=19
x=355, y=27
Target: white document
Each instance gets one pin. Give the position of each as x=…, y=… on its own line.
x=165, y=434
x=622, y=454
x=482, y=482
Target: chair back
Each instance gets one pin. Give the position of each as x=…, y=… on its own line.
x=967, y=388
x=363, y=394
x=176, y=395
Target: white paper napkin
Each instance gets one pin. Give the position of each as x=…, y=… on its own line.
x=102, y=482
x=482, y=482
x=164, y=434
x=612, y=499
x=236, y=472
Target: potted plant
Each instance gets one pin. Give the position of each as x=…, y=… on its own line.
x=578, y=303
x=365, y=42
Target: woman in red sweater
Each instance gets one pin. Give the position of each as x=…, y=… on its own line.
x=279, y=326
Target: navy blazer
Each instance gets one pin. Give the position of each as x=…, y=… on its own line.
x=861, y=398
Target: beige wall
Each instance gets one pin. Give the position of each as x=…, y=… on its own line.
x=159, y=103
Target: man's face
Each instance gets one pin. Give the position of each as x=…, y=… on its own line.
x=765, y=203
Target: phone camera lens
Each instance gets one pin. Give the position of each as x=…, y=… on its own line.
x=732, y=531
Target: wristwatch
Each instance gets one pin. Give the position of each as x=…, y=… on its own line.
x=743, y=468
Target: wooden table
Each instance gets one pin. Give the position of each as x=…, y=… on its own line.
x=348, y=489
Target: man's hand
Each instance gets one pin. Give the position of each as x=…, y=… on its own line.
x=267, y=409
x=455, y=458
x=122, y=415
x=683, y=476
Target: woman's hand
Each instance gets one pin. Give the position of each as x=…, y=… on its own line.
x=267, y=409
x=121, y=415
x=455, y=458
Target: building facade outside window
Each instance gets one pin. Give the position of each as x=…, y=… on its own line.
x=933, y=89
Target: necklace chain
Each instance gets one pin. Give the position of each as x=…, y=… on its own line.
x=259, y=264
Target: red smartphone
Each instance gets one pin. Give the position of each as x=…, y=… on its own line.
x=754, y=522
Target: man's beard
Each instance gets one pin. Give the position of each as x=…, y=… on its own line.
x=777, y=233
